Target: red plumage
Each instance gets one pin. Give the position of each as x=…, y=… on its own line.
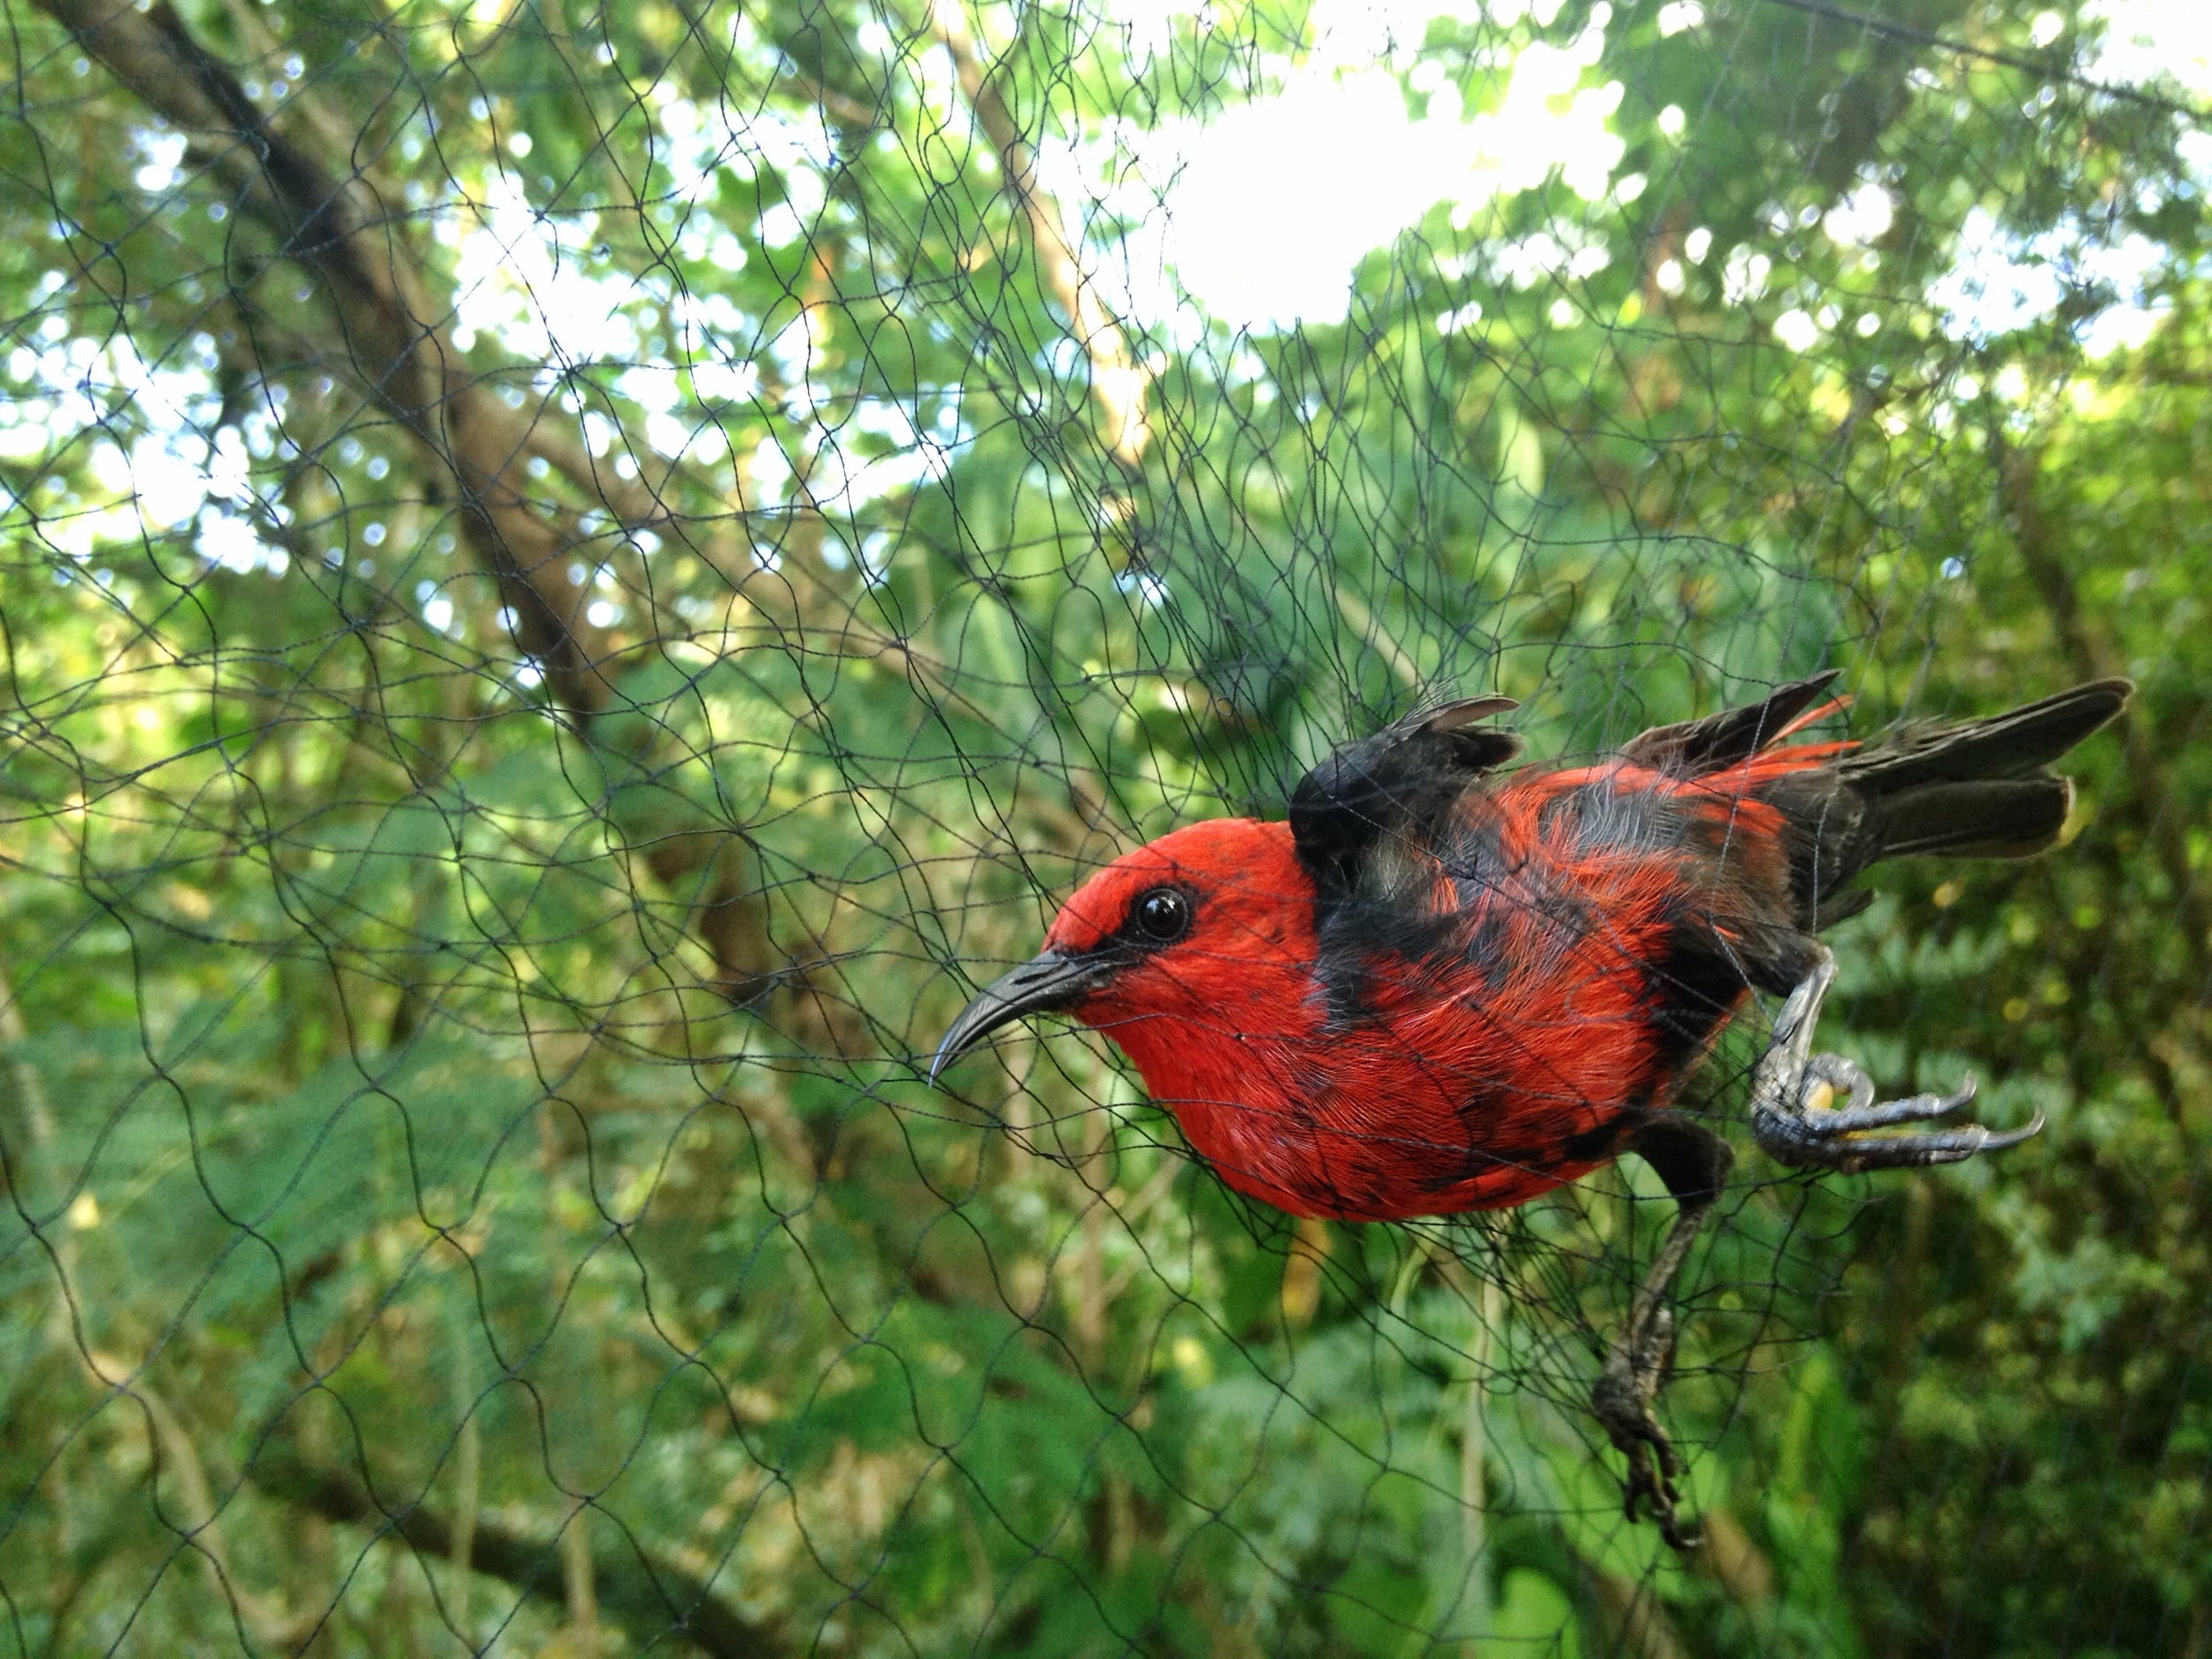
x=1483, y=1071
x=1433, y=990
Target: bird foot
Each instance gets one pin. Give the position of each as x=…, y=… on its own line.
x=1795, y=1121
x=1621, y=1400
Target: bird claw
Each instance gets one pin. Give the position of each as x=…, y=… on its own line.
x=1621, y=1400
x=1795, y=1122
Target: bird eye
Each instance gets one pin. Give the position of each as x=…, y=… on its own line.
x=1162, y=916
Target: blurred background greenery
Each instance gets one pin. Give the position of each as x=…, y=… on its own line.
x=572, y=577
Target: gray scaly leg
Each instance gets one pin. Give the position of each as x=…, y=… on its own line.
x=1693, y=1162
x=1795, y=1122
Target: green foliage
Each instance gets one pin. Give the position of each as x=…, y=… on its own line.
x=473, y=1185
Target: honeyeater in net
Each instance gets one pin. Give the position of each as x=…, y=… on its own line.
x=1442, y=985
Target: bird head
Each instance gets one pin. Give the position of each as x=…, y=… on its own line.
x=1161, y=945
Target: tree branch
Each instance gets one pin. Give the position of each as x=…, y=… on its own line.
x=648, y=1597
x=1119, y=384
x=199, y=1519
x=341, y=232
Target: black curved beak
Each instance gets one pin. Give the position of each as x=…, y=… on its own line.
x=1039, y=986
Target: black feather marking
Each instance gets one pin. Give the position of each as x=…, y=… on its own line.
x=1721, y=741
x=1381, y=928
x=1472, y=1162
x=1690, y=1158
x=1400, y=783
x=1596, y=1143
x=1694, y=982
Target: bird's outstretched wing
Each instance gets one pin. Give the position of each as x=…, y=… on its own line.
x=1724, y=740
x=1400, y=781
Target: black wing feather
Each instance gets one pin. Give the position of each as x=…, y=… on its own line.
x=1396, y=783
x=1721, y=741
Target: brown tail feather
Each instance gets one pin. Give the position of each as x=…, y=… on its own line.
x=1976, y=790
x=2017, y=744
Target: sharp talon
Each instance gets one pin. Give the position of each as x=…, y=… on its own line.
x=1794, y=1116
x=2013, y=1137
x=1622, y=1401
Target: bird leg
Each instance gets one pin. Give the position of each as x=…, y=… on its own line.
x=1693, y=1161
x=1796, y=1122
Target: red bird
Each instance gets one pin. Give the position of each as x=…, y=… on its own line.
x=1435, y=990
